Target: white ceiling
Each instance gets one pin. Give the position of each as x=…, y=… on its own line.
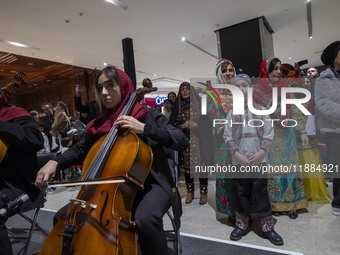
x=96, y=28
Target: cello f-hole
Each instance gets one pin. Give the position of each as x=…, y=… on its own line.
x=102, y=211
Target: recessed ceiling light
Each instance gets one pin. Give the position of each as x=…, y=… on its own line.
x=17, y=44
x=117, y=3
x=290, y=58
x=310, y=37
x=183, y=38
x=105, y=64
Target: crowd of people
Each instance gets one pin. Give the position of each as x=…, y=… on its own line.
x=181, y=127
x=282, y=144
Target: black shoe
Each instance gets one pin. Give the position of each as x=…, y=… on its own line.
x=236, y=234
x=293, y=215
x=274, y=237
x=277, y=214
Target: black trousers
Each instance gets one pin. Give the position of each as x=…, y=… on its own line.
x=151, y=205
x=333, y=148
x=245, y=187
x=203, y=181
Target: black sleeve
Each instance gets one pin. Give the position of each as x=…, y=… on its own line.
x=174, y=113
x=79, y=107
x=158, y=129
x=74, y=155
x=23, y=132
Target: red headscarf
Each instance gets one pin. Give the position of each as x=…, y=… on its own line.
x=263, y=92
x=293, y=80
x=94, y=128
x=8, y=113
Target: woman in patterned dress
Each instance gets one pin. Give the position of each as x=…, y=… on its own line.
x=286, y=189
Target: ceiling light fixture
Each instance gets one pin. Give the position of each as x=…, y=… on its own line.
x=309, y=19
x=117, y=3
x=17, y=44
x=199, y=48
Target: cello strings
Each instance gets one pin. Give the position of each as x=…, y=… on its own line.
x=97, y=165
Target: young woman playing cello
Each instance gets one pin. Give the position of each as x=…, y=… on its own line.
x=114, y=88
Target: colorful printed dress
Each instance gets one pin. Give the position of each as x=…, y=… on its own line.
x=192, y=151
x=189, y=110
x=225, y=195
x=285, y=188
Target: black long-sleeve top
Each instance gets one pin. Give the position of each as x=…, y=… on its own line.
x=19, y=167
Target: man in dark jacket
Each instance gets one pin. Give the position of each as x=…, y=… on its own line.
x=47, y=122
x=20, y=141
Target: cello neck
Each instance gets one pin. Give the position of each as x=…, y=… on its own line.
x=100, y=160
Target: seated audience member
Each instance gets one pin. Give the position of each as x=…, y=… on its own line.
x=35, y=115
x=158, y=108
x=46, y=148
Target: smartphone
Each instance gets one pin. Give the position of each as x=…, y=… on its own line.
x=78, y=79
x=303, y=62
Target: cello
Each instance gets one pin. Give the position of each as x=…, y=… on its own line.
x=6, y=91
x=99, y=221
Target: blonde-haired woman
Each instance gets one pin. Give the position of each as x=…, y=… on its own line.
x=60, y=125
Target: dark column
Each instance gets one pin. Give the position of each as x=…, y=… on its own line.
x=129, y=60
x=246, y=44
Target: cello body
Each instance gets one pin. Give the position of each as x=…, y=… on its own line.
x=3, y=149
x=100, y=219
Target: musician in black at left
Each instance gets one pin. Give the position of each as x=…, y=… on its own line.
x=20, y=141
